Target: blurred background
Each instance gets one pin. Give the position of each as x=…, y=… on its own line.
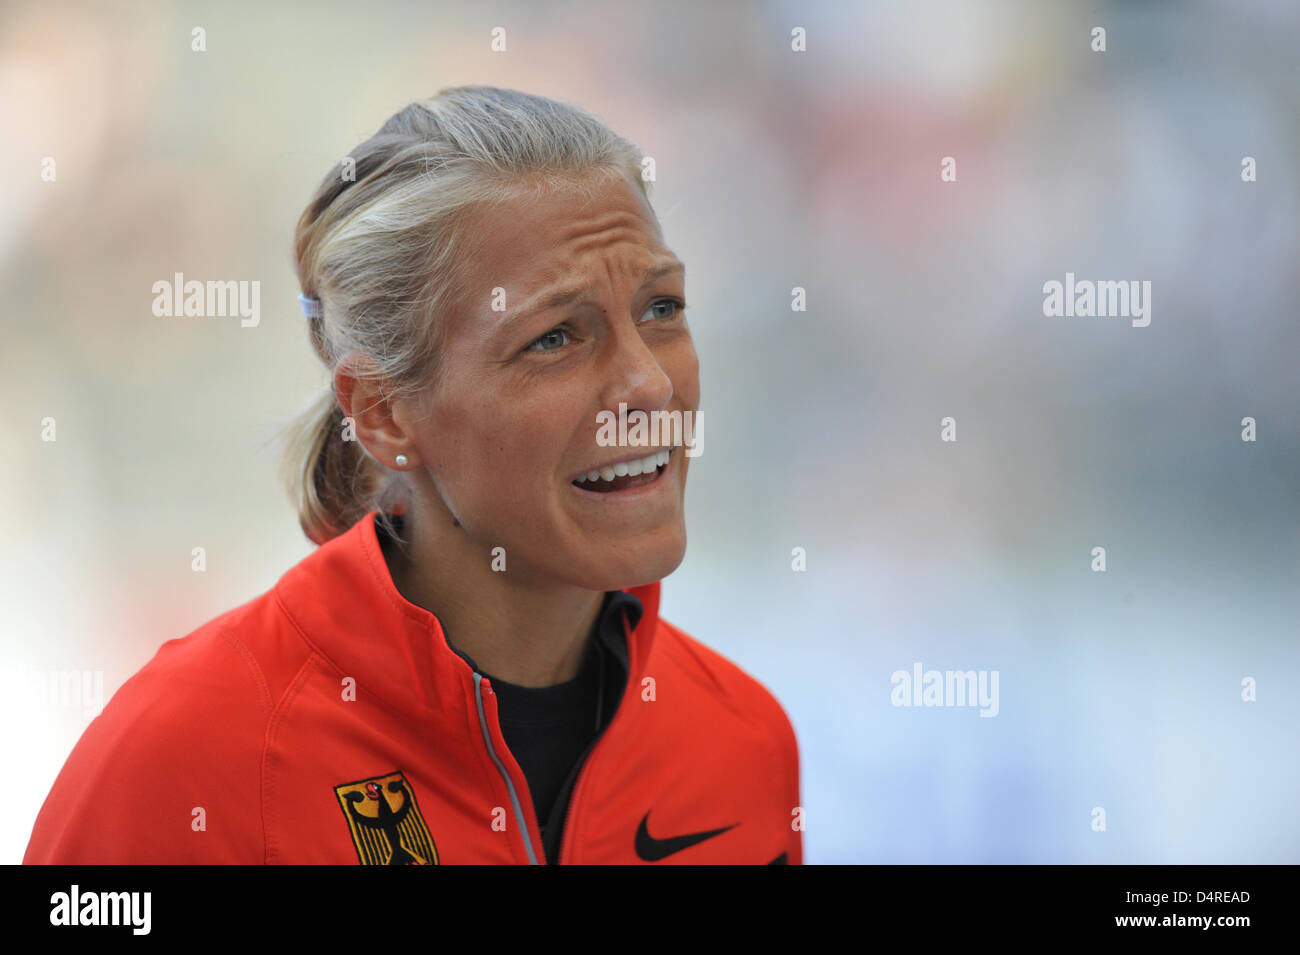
x=776, y=169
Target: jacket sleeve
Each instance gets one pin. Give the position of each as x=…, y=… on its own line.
x=169, y=772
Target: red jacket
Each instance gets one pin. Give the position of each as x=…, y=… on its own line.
x=248, y=742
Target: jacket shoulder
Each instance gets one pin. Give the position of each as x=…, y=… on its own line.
x=170, y=771
x=758, y=715
x=734, y=687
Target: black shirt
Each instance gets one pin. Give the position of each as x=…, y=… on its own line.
x=550, y=729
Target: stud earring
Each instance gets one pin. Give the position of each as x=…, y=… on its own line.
x=401, y=460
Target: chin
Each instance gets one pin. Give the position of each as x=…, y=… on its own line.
x=635, y=565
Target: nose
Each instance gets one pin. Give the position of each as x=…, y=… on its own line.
x=636, y=377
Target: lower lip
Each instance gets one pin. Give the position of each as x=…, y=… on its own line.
x=630, y=494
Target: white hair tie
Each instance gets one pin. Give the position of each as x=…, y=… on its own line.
x=310, y=306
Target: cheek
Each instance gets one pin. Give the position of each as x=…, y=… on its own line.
x=494, y=456
x=683, y=368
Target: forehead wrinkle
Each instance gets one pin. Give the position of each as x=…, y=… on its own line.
x=586, y=231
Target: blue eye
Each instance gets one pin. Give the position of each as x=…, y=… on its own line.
x=677, y=305
x=548, y=337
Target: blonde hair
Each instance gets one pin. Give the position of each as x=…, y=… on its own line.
x=381, y=245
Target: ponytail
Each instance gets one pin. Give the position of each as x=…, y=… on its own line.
x=330, y=480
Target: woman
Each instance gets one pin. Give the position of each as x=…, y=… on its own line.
x=471, y=667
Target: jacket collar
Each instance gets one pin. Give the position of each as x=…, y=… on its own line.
x=342, y=600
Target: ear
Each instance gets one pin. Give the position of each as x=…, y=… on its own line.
x=364, y=398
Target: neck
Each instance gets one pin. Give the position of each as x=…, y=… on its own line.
x=524, y=633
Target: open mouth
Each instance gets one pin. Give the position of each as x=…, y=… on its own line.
x=625, y=474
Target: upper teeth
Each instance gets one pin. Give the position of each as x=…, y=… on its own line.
x=632, y=468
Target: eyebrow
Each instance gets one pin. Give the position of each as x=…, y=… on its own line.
x=561, y=295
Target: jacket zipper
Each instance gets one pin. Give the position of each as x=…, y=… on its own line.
x=479, y=681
